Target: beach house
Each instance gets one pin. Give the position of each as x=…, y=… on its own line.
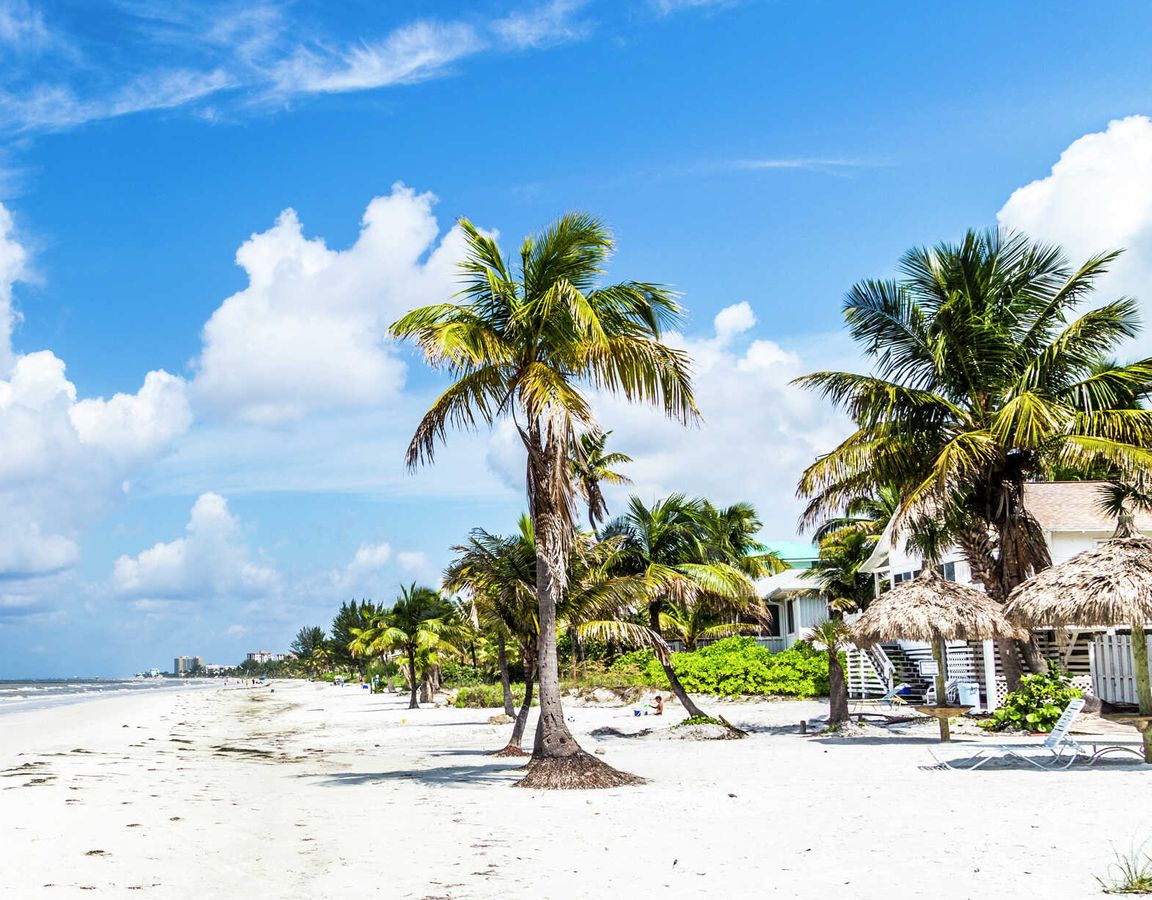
x=796, y=604
x=1099, y=659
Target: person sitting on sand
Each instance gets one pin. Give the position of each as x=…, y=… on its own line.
x=659, y=705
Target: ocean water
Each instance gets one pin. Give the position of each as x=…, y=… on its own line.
x=21, y=696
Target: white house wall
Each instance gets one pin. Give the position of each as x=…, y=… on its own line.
x=1063, y=545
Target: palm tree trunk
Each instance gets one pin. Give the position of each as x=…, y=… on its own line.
x=513, y=747
x=557, y=760
x=412, y=702
x=837, y=690
x=505, y=681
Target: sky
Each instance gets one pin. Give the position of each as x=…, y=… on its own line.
x=211, y=212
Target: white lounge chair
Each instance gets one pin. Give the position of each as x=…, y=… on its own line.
x=891, y=697
x=1062, y=749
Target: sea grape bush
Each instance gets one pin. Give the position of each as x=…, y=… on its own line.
x=1036, y=704
x=487, y=696
x=736, y=666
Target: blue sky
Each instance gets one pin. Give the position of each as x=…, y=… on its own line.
x=237, y=198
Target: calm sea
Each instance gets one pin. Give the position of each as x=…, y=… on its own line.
x=20, y=696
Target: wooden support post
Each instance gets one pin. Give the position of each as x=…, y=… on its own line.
x=940, y=654
x=1143, y=687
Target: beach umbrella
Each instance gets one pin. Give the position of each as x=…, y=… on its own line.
x=931, y=608
x=1104, y=587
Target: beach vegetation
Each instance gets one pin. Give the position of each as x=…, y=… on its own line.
x=1130, y=873
x=985, y=375
x=525, y=338
x=833, y=638
x=421, y=624
x=733, y=667
x=1036, y=704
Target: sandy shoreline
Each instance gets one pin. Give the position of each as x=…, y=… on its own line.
x=316, y=791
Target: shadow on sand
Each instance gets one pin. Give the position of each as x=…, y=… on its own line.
x=493, y=773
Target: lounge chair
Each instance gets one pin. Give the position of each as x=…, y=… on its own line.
x=891, y=697
x=1062, y=749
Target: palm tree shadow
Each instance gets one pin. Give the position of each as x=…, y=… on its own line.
x=444, y=776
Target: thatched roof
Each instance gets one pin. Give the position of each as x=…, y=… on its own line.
x=931, y=608
x=1106, y=586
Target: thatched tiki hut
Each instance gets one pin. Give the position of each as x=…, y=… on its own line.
x=931, y=608
x=1107, y=586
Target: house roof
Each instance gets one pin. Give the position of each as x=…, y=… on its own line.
x=1072, y=506
x=790, y=581
x=1066, y=506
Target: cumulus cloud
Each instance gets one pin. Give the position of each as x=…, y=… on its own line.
x=66, y=460
x=308, y=331
x=1098, y=196
x=211, y=562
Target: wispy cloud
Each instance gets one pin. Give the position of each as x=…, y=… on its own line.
x=412, y=53
x=261, y=54
x=22, y=27
x=543, y=26
x=665, y=7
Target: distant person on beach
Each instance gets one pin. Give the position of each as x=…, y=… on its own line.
x=659, y=705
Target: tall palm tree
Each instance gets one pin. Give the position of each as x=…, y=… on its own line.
x=668, y=545
x=592, y=466
x=982, y=380
x=419, y=622
x=526, y=340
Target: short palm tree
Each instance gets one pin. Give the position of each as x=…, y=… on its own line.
x=525, y=340
x=695, y=622
x=833, y=637
x=419, y=622
x=667, y=545
x=983, y=379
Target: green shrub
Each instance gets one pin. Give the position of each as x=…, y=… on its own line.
x=736, y=666
x=487, y=696
x=454, y=674
x=1036, y=704
x=699, y=720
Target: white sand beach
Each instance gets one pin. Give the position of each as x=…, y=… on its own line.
x=323, y=792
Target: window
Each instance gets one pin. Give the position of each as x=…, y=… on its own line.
x=904, y=576
x=774, y=623
x=791, y=607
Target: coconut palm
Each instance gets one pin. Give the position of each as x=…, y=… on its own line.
x=869, y=513
x=982, y=381
x=730, y=537
x=500, y=575
x=695, y=622
x=593, y=466
x=837, y=569
x=832, y=636
x=420, y=622
x=525, y=340
x=668, y=545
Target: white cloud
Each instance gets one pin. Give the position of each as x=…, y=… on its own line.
x=236, y=631
x=413, y=561
x=664, y=7
x=308, y=332
x=13, y=268
x=210, y=563
x=132, y=428
x=414, y=52
x=732, y=321
x=1098, y=196
x=545, y=25
x=66, y=461
x=21, y=26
